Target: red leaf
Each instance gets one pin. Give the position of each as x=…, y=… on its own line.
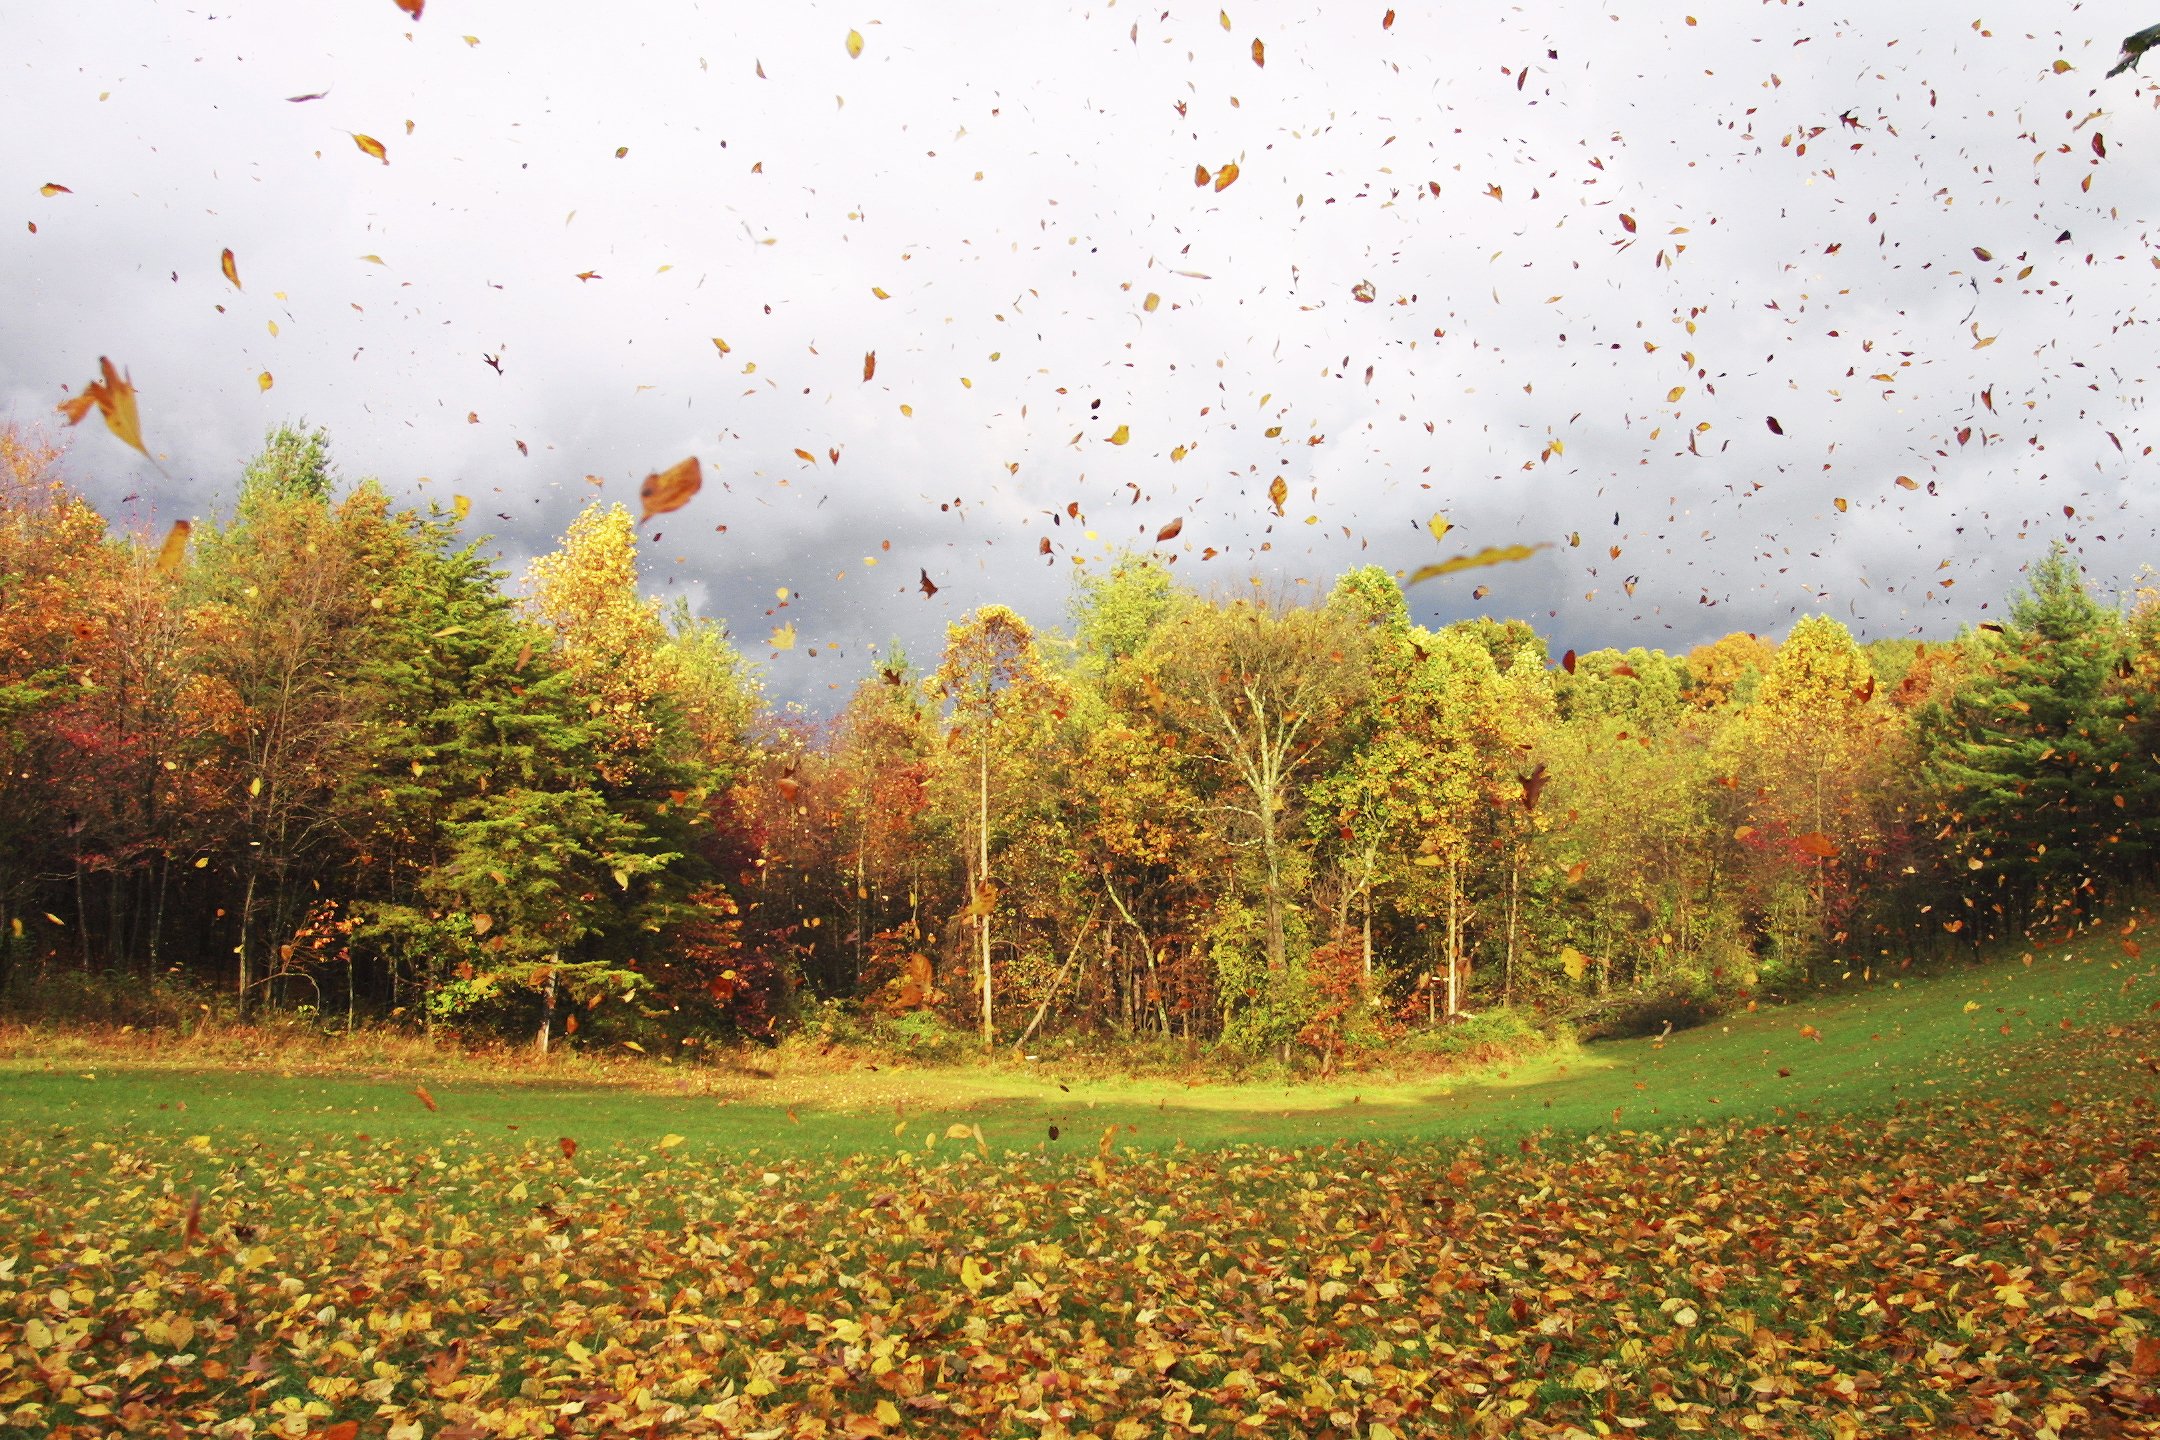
x=569, y=1147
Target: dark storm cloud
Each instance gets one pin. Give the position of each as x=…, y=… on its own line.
x=1806, y=192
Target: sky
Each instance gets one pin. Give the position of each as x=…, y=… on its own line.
x=1724, y=318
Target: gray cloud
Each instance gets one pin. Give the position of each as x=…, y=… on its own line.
x=1019, y=189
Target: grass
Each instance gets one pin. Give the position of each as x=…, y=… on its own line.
x=1921, y=1207
x=1867, y=1048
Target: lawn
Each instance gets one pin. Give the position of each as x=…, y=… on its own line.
x=1912, y=1207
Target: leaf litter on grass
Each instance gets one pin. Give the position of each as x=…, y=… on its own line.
x=1943, y=1268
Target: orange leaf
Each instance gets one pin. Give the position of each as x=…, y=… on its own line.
x=1199, y=175
x=1809, y=1032
x=172, y=555
x=869, y=364
x=1259, y=53
x=412, y=7
x=569, y=1147
x=114, y=397
x=350, y=1429
x=1226, y=177
x=1387, y=21
x=425, y=1098
x=1277, y=493
x=369, y=145
x=670, y=489
x=232, y=271
x=1816, y=843
x=1170, y=531
x=53, y=187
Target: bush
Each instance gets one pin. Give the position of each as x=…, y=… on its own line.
x=1480, y=1039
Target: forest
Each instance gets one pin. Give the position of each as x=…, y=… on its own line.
x=321, y=759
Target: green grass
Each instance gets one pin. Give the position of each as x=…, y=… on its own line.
x=1939, y=1218
x=1880, y=1043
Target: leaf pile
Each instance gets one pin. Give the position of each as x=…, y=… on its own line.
x=1942, y=1270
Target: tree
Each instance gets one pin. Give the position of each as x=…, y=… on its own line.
x=1000, y=701
x=2032, y=764
x=1251, y=692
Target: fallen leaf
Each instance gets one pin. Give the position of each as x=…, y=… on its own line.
x=172, y=555
x=568, y=1146
x=114, y=397
x=1490, y=555
x=670, y=489
x=669, y=1142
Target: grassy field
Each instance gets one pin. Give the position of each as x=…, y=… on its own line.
x=1913, y=1207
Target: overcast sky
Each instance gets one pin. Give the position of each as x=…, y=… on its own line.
x=1699, y=289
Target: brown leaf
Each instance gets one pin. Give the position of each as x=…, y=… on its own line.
x=869, y=364
x=172, y=555
x=1816, y=843
x=1772, y=422
x=114, y=397
x=927, y=585
x=1567, y=662
x=1533, y=785
x=670, y=489
x=425, y=1098
x=369, y=145
x=569, y=1147
x=1170, y=531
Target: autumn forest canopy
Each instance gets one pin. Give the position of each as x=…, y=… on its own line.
x=322, y=758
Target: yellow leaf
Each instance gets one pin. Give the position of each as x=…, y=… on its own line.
x=783, y=636
x=1574, y=962
x=1177, y=452
x=888, y=1413
x=874, y=290
x=854, y=44
x=172, y=555
x=232, y=270
x=53, y=187
x=1439, y=525
x=369, y=145
x=972, y=1275
x=722, y=344
x=1675, y=393
x=460, y=506
x=114, y=397
x=1224, y=16
x=1226, y=177
x=255, y=786
x=1120, y=435
x=1490, y=555
x=263, y=381
x=958, y=1131
x=1278, y=491
x=1151, y=302
x=622, y=878
x=668, y=1142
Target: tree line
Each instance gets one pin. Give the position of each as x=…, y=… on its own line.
x=321, y=756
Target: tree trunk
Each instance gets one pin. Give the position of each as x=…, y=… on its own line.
x=547, y=1013
x=982, y=896
x=1454, y=936
x=1514, y=895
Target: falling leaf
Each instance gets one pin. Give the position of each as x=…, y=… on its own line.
x=172, y=555
x=412, y=7
x=1772, y=422
x=1226, y=177
x=1490, y=555
x=1120, y=435
x=369, y=145
x=1151, y=302
x=869, y=364
x=1567, y=662
x=1170, y=531
x=1259, y=53
x=1278, y=492
x=1387, y=21
x=263, y=381
x=1841, y=504
x=1574, y=962
x=670, y=489
x=53, y=187
x=928, y=586
x=783, y=636
x=1533, y=786
x=720, y=344
x=1439, y=525
x=1906, y=482
x=425, y=1098
x=114, y=397
x=854, y=44
x=1200, y=175
x=1363, y=292
x=1627, y=223
x=1816, y=843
